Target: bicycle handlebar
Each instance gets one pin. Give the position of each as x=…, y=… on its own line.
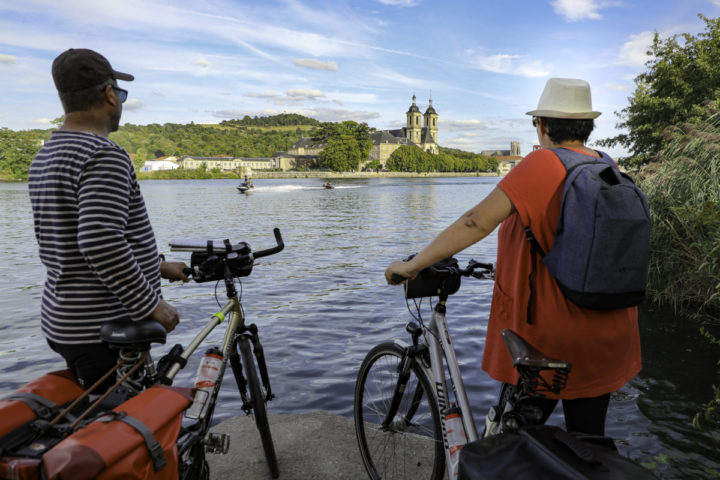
x=272, y=250
x=215, y=261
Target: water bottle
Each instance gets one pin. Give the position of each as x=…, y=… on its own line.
x=455, y=434
x=205, y=380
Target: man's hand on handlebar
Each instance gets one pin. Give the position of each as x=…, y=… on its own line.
x=166, y=315
x=173, y=271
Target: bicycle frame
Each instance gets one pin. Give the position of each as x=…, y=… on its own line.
x=439, y=350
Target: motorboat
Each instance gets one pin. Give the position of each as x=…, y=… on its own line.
x=327, y=185
x=244, y=187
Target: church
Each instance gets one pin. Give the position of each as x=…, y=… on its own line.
x=421, y=130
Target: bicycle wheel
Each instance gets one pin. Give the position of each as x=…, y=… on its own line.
x=257, y=399
x=411, y=447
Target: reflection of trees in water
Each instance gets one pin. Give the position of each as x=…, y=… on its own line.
x=674, y=384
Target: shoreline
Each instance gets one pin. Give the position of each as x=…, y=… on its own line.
x=311, y=174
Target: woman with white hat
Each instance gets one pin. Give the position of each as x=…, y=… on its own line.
x=603, y=346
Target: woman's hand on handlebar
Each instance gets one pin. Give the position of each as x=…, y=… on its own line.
x=173, y=271
x=402, y=270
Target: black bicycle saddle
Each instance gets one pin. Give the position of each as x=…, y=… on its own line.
x=125, y=333
x=524, y=354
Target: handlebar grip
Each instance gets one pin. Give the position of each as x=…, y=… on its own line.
x=272, y=250
x=395, y=279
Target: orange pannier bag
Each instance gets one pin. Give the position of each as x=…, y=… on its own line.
x=137, y=440
x=58, y=388
x=42, y=398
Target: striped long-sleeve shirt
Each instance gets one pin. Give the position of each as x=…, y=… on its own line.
x=94, y=235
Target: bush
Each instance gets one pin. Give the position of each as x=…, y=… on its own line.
x=684, y=196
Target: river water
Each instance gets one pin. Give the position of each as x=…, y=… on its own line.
x=322, y=303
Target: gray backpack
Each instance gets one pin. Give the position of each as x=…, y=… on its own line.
x=602, y=241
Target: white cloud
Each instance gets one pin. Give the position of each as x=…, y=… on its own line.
x=510, y=64
x=634, y=52
x=261, y=94
x=313, y=64
x=617, y=87
x=459, y=125
x=715, y=2
x=201, y=62
x=400, y=3
x=575, y=10
x=300, y=95
x=133, y=104
x=4, y=58
x=41, y=121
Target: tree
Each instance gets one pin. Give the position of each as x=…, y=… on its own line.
x=341, y=154
x=681, y=81
x=17, y=150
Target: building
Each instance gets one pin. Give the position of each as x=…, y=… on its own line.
x=421, y=130
x=159, y=164
x=243, y=165
x=507, y=159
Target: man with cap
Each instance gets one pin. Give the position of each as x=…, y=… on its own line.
x=603, y=346
x=92, y=228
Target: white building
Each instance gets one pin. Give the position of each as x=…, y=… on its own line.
x=154, y=165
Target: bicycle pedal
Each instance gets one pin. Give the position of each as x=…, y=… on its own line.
x=218, y=443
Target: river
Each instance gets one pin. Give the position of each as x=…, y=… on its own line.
x=322, y=303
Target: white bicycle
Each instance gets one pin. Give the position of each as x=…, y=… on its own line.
x=403, y=402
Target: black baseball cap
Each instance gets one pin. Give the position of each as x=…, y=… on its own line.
x=80, y=68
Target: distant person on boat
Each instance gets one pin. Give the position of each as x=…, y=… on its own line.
x=602, y=345
x=92, y=228
x=328, y=185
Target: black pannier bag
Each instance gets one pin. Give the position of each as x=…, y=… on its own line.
x=546, y=453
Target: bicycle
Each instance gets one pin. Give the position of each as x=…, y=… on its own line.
x=402, y=397
x=241, y=347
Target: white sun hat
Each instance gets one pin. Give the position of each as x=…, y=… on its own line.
x=565, y=98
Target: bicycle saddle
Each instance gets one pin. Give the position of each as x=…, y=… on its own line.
x=524, y=354
x=140, y=333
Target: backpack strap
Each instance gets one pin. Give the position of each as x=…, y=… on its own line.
x=153, y=446
x=534, y=248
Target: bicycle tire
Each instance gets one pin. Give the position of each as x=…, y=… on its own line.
x=257, y=399
x=399, y=451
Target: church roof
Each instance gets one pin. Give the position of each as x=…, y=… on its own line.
x=413, y=109
x=389, y=136
x=430, y=110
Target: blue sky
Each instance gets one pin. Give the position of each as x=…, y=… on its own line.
x=484, y=62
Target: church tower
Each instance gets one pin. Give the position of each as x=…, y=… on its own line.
x=414, y=128
x=431, y=118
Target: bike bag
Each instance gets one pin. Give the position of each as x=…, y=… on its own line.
x=546, y=453
x=137, y=440
x=429, y=283
x=41, y=398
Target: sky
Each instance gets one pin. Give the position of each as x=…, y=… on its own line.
x=483, y=63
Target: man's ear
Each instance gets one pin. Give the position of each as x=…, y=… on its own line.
x=110, y=96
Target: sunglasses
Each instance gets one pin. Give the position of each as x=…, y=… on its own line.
x=123, y=93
